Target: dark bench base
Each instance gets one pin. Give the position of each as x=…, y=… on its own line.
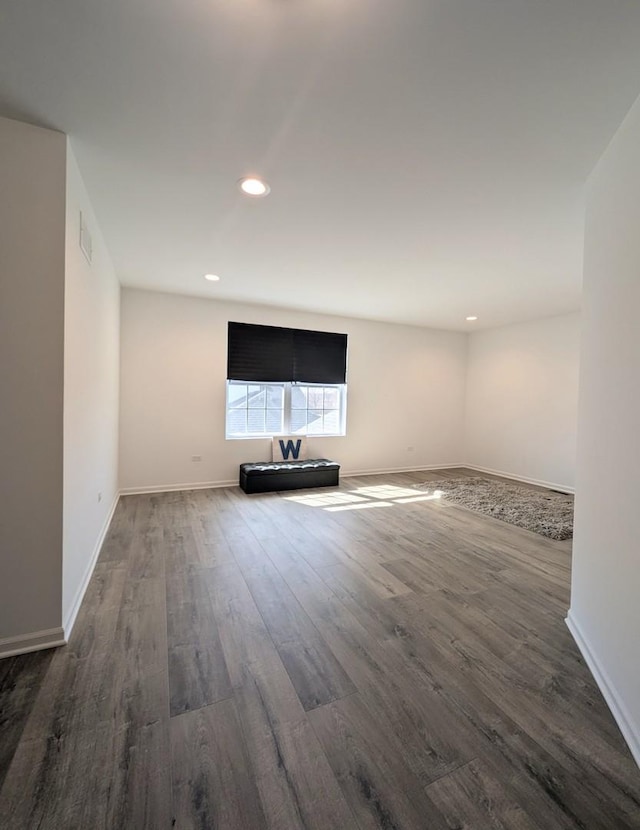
x=288, y=475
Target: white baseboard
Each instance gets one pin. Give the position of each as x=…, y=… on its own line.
x=399, y=470
x=36, y=641
x=174, y=488
x=70, y=618
x=208, y=485
x=623, y=718
x=550, y=485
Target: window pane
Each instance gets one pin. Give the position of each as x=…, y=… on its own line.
x=331, y=420
x=237, y=421
x=315, y=397
x=259, y=409
x=256, y=420
x=274, y=420
x=314, y=420
x=237, y=395
x=257, y=397
x=298, y=397
x=298, y=420
x=331, y=398
x=275, y=397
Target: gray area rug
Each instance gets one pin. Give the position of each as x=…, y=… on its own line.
x=542, y=511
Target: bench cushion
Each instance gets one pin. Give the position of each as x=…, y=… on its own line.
x=263, y=477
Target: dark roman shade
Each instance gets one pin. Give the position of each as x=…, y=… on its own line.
x=271, y=353
x=263, y=353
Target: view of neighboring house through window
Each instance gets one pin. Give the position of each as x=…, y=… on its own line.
x=315, y=410
x=255, y=409
x=284, y=409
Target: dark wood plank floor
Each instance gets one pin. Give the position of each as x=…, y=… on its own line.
x=328, y=659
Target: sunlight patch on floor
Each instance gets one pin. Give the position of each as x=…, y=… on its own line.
x=359, y=506
x=325, y=499
x=383, y=495
x=385, y=491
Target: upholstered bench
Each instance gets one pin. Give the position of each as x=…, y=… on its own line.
x=265, y=477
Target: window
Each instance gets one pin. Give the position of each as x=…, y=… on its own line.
x=284, y=381
x=316, y=410
x=257, y=409
x=254, y=409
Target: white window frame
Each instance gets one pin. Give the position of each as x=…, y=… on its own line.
x=286, y=420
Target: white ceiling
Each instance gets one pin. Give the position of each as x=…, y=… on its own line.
x=426, y=157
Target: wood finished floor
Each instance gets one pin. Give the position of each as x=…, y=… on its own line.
x=286, y=661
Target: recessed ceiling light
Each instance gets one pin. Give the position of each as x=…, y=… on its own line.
x=212, y=277
x=253, y=187
x=471, y=319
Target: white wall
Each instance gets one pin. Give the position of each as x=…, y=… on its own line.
x=32, y=216
x=522, y=400
x=91, y=391
x=605, y=600
x=405, y=389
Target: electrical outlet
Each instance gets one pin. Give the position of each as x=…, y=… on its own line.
x=99, y=497
x=196, y=458
x=409, y=449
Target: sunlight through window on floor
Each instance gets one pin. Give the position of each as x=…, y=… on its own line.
x=384, y=495
x=324, y=499
x=359, y=506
